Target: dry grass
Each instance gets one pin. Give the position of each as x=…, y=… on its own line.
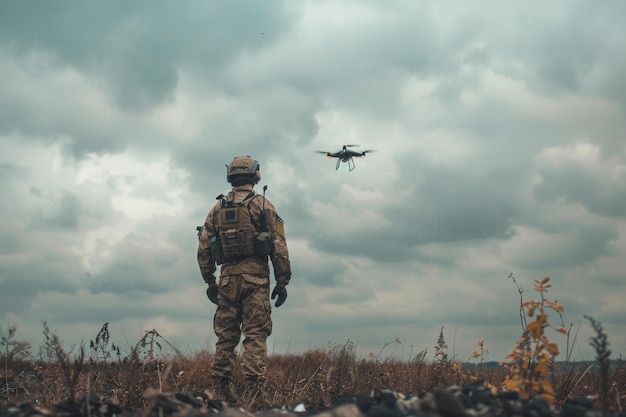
x=317, y=377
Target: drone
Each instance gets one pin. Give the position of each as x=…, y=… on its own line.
x=345, y=155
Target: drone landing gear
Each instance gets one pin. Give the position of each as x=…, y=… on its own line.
x=349, y=161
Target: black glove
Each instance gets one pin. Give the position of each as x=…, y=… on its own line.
x=280, y=291
x=211, y=292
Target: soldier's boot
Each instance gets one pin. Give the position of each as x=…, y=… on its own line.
x=252, y=396
x=225, y=392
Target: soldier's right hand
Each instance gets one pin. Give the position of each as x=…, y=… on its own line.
x=211, y=292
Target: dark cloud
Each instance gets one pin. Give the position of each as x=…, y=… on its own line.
x=578, y=184
x=119, y=45
x=126, y=278
x=10, y=244
x=10, y=171
x=457, y=206
x=135, y=307
x=575, y=245
x=22, y=282
x=378, y=246
x=118, y=52
x=326, y=274
x=446, y=206
x=64, y=212
x=138, y=264
x=11, y=174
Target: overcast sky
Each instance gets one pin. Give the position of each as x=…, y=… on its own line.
x=499, y=137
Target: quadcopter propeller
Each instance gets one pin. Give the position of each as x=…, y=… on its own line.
x=342, y=146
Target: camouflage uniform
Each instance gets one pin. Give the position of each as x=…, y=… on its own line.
x=244, y=291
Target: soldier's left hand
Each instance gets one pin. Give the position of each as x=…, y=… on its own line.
x=211, y=292
x=280, y=291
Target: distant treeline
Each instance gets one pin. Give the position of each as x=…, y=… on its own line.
x=561, y=364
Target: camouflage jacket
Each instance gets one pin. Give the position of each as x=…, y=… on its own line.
x=253, y=265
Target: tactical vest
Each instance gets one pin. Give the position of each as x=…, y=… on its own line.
x=236, y=230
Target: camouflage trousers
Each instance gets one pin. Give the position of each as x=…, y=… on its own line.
x=243, y=308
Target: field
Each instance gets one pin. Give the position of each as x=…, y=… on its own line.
x=315, y=378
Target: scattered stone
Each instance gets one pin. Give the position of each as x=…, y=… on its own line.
x=473, y=400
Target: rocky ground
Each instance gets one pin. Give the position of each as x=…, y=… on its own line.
x=455, y=401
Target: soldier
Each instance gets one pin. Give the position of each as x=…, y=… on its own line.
x=240, y=233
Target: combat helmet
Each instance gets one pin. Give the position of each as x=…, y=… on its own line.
x=243, y=170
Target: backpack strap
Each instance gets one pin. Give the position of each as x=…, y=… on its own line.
x=248, y=198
